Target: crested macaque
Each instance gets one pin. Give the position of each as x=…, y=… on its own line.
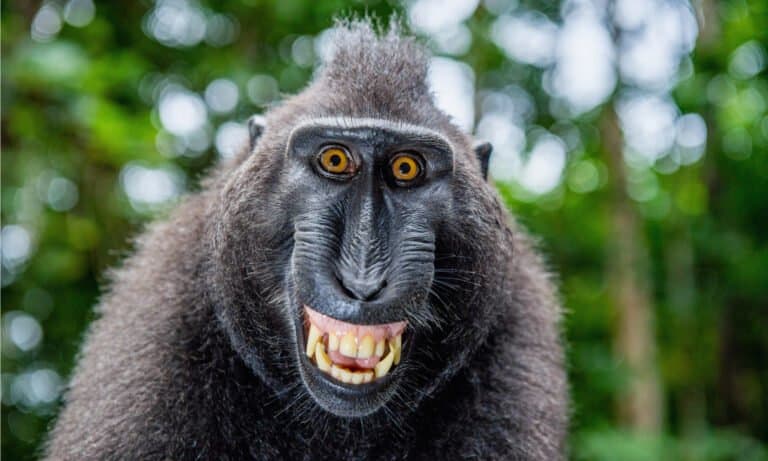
x=349, y=287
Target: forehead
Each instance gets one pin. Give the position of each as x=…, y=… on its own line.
x=365, y=128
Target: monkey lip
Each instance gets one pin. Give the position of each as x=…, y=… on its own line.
x=351, y=353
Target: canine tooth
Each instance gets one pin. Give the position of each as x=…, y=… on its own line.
x=396, y=345
x=382, y=368
x=380, y=348
x=365, y=349
x=333, y=342
x=348, y=346
x=322, y=359
x=314, y=336
x=357, y=377
x=367, y=376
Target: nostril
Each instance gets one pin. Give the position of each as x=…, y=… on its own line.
x=344, y=288
x=375, y=293
x=362, y=290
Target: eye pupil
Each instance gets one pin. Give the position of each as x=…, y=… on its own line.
x=335, y=160
x=405, y=168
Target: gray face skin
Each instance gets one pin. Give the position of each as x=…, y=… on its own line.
x=364, y=240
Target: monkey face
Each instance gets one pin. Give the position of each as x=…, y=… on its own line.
x=360, y=237
x=366, y=205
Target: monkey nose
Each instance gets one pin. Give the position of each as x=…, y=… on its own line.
x=360, y=289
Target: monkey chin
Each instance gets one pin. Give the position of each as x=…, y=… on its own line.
x=352, y=390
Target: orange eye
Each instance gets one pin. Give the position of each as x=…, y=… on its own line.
x=335, y=160
x=405, y=167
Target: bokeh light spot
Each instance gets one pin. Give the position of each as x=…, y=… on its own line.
x=148, y=189
x=181, y=111
x=262, y=89
x=23, y=330
x=453, y=85
x=176, y=23
x=544, y=168
x=583, y=177
x=231, y=137
x=16, y=244
x=528, y=37
x=62, y=194
x=222, y=95
x=47, y=23
x=747, y=60
x=432, y=16
x=79, y=13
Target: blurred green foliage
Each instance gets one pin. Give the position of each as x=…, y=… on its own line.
x=79, y=108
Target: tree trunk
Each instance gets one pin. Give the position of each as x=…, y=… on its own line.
x=640, y=403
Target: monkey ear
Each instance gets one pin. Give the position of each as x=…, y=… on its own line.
x=483, y=153
x=255, y=128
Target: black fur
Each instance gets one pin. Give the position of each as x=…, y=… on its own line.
x=194, y=356
x=483, y=152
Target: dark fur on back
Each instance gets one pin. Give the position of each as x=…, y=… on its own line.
x=191, y=355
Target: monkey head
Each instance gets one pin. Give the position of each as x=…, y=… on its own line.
x=355, y=252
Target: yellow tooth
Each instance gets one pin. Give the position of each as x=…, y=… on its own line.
x=396, y=345
x=314, y=336
x=382, y=368
x=333, y=342
x=357, y=377
x=322, y=359
x=336, y=372
x=365, y=350
x=342, y=374
x=348, y=346
x=380, y=348
x=367, y=376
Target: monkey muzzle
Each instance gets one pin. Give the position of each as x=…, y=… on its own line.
x=351, y=369
x=350, y=353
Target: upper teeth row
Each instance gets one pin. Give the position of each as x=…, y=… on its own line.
x=351, y=346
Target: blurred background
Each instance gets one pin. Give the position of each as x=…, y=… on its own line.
x=630, y=135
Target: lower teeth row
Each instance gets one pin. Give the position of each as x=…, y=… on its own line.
x=325, y=364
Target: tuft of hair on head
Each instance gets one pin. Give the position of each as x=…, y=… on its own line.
x=375, y=62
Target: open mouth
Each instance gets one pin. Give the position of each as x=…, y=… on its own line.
x=350, y=353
